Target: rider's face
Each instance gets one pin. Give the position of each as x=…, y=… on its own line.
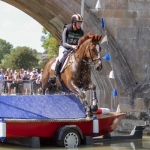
x=78, y=25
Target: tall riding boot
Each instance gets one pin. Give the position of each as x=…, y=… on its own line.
x=56, y=72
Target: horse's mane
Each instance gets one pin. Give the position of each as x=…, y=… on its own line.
x=89, y=35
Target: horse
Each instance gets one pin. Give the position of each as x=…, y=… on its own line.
x=76, y=76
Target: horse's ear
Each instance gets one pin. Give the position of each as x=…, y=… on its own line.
x=90, y=35
x=99, y=37
x=95, y=38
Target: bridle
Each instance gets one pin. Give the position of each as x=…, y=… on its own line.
x=91, y=63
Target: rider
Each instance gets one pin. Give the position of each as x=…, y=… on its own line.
x=70, y=36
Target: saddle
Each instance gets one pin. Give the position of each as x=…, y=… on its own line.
x=63, y=61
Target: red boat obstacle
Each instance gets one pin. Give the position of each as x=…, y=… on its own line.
x=61, y=117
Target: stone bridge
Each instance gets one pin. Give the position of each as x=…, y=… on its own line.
x=127, y=28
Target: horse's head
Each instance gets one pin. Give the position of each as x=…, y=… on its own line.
x=92, y=52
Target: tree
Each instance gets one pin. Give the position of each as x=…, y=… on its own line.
x=20, y=57
x=50, y=44
x=5, y=48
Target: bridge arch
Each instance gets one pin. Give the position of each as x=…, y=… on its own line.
x=53, y=14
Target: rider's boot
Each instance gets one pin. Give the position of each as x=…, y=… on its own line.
x=56, y=72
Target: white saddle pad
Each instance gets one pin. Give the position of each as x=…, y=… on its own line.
x=54, y=64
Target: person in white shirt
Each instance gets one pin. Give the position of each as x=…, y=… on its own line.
x=39, y=82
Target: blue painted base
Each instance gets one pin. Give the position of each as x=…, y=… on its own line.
x=41, y=107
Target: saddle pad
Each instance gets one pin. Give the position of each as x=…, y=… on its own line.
x=54, y=64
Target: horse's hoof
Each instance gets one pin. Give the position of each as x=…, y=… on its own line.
x=89, y=113
x=89, y=117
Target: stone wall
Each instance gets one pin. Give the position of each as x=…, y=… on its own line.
x=127, y=25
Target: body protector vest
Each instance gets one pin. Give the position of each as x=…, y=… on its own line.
x=72, y=37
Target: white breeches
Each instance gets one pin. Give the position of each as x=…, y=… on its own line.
x=61, y=50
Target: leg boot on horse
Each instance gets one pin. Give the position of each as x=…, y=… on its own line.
x=88, y=112
x=94, y=106
x=56, y=73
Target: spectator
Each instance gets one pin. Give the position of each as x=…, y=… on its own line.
x=2, y=71
x=37, y=72
x=17, y=83
x=21, y=72
x=26, y=76
x=6, y=75
x=8, y=69
x=40, y=74
x=5, y=82
x=33, y=82
x=26, y=83
x=10, y=80
x=28, y=72
x=11, y=71
x=1, y=80
x=33, y=70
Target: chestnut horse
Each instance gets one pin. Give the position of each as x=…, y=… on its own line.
x=76, y=76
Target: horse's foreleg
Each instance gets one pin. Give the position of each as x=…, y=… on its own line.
x=82, y=98
x=87, y=109
x=76, y=90
x=94, y=106
x=43, y=92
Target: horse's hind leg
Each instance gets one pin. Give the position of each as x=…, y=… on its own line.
x=47, y=85
x=94, y=106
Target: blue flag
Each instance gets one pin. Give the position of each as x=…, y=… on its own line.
x=102, y=23
x=114, y=93
x=107, y=57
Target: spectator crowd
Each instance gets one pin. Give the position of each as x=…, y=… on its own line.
x=21, y=82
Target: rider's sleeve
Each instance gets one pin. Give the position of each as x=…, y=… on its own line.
x=64, y=40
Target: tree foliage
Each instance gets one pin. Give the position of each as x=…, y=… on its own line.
x=25, y=57
x=20, y=57
x=5, y=48
x=50, y=44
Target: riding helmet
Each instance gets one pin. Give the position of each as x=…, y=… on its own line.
x=76, y=18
